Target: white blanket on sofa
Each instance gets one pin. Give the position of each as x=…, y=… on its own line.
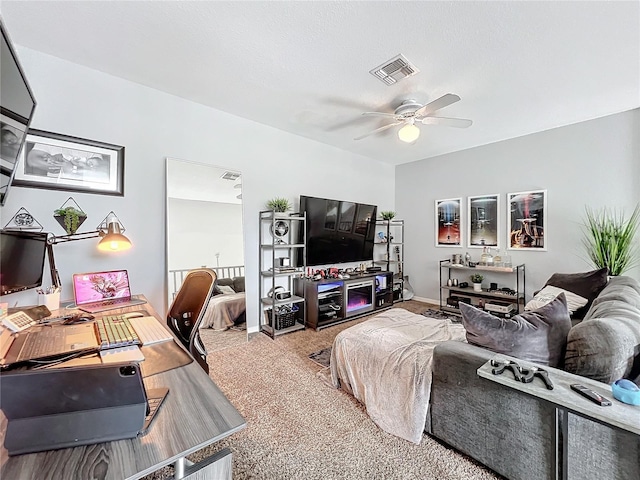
x=385, y=363
x=223, y=310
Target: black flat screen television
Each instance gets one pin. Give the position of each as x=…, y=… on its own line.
x=338, y=231
x=21, y=260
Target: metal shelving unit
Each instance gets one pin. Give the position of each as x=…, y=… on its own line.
x=394, y=255
x=478, y=298
x=278, y=240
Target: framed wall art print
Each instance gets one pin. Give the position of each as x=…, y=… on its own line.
x=448, y=224
x=59, y=162
x=527, y=220
x=483, y=221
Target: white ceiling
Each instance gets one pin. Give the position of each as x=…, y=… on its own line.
x=520, y=67
x=204, y=183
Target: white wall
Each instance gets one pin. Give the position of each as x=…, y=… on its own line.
x=153, y=125
x=594, y=163
x=200, y=230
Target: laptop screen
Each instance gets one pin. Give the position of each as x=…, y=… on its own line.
x=97, y=286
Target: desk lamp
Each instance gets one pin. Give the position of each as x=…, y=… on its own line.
x=110, y=230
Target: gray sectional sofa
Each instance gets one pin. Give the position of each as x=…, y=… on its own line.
x=511, y=432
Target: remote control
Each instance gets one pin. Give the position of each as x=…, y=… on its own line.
x=591, y=395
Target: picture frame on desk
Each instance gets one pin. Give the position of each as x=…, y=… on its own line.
x=61, y=162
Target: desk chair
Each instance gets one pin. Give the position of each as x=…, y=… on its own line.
x=188, y=308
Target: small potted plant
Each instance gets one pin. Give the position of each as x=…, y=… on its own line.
x=279, y=204
x=387, y=215
x=476, y=278
x=70, y=218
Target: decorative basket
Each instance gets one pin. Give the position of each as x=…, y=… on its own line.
x=282, y=319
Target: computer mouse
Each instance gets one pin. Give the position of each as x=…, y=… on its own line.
x=133, y=315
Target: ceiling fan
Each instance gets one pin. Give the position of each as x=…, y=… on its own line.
x=411, y=112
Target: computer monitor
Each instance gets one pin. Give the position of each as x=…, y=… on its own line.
x=21, y=260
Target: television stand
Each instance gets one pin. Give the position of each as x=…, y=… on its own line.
x=333, y=301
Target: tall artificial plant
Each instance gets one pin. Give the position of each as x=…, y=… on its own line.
x=609, y=239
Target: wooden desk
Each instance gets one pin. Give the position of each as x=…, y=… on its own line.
x=194, y=415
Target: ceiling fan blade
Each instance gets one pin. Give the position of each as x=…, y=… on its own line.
x=380, y=114
x=452, y=122
x=377, y=130
x=437, y=104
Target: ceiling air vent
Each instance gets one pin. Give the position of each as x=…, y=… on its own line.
x=230, y=175
x=394, y=70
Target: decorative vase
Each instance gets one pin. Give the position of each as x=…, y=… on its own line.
x=477, y=287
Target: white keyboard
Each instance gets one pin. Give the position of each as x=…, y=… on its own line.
x=150, y=330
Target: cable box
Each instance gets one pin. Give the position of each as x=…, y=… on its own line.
x=374, y=269
x=500, y=307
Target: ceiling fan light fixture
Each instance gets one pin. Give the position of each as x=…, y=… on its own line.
x=409, y=133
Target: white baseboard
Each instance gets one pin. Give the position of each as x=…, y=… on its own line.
x=426, y=300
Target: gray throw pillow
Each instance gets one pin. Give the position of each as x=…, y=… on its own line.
x=586, y=284
x=538, y=336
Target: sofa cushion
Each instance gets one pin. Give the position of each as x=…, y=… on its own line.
x=538, y=336
x=604, y=346
x=585, y=284
x=548, y=293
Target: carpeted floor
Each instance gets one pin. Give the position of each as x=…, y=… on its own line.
x=300, y=428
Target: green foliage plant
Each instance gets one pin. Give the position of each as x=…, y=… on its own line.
x=387, y=215
x=476, y=278
x=279, y=204
x=71, y=218
x=609, y=239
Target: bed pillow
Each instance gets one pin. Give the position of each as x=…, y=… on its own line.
x=538, y=336
x=222, y=282
x=226, y=289
x=548, y=293
x=587, y=284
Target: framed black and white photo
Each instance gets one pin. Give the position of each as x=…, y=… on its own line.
x=11, y=135
x=60, y=162
x=448, y=233
x=527, y=220
x=483, y=221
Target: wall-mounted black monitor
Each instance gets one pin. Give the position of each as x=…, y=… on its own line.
x=17, y=105
x=338, y=231
x=21, y=260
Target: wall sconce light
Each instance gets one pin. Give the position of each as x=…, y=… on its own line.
x=110, y=230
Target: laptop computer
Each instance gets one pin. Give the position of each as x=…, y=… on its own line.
x=45, y=344
x=102, y=291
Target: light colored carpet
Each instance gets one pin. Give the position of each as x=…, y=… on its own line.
x=300, y=428
x=216, y=340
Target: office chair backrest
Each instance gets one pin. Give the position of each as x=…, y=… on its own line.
x=188, y=308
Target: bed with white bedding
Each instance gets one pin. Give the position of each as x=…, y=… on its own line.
x=223, y=311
